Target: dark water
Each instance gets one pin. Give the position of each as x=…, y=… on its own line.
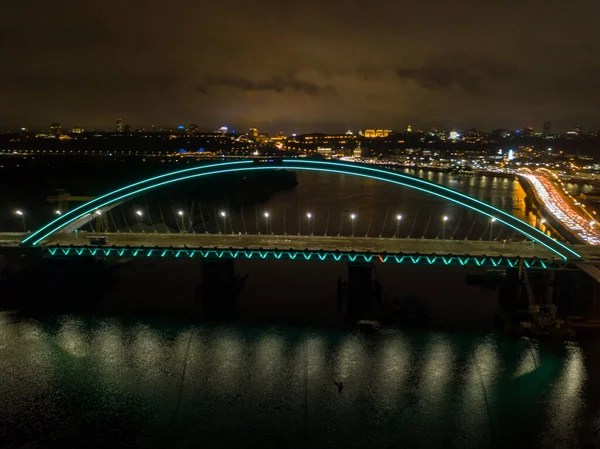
x=85, y=380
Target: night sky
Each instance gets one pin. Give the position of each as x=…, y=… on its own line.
x=301, y=66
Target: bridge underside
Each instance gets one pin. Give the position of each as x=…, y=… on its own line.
x=307, y=255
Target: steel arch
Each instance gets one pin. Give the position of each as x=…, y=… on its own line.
x=362, y=170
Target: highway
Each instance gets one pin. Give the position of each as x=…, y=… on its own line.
x=314, y=243
x=574, y=220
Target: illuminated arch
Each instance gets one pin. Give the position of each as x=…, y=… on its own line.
x=361, y=170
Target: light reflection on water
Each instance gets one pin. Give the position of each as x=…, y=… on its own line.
x=414, y=387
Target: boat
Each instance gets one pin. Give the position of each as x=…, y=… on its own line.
x=368, y=325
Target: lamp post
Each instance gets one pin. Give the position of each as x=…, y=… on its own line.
x=266, y=214
x=353, y=218
x=491, y=224
x=57, y=212
x=21, y=214
x=139, y=214
x=181, y=214
x=398, y=220
x=444, y=220
x=224, y=216
x=309, y=216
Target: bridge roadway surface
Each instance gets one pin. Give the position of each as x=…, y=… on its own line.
x=314, y=243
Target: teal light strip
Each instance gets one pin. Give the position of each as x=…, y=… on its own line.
x=355, y=170
x=438, y=186
x=325, y=256
x=91, y=203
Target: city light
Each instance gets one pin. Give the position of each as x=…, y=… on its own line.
x=179, y=212
x=98, y=212
x=308, y=215
x=266, y=215
x=398, y=217
x=57, y=212
x=445, y=218
x=139, y=213
x=19, y=212
x=222, y=213
x=352, y=216
x=572, y=217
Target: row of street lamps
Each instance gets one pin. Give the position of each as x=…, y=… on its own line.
x=139, y=214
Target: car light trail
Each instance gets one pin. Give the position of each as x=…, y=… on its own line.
x=560, y=209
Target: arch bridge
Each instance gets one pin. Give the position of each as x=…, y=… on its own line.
x=59, y=227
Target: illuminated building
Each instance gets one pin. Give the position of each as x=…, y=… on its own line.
x=56, y=129
x=253, y=133
x=223, y=129
x=578, y=130
x=193, y=128
x=376, y=133
x=77, y=130
x=409, y=129
x=527, y=129
x=547, y=128
x=119, y=126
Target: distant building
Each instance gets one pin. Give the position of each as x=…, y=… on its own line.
x=119, y=126
x=409, y=129
x=77, y=130
x=578, y=130
x=253, y=133
x=547, y=128
x=56, y=129
x=127, y=129
x=527, y=129
x=193, y=128
x=376, y=133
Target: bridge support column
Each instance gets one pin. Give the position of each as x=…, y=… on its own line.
x=363, y=293
x=219, y=289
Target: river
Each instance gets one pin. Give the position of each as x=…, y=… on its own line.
x=137, y=370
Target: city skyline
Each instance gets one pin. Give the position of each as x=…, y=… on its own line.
x=122, y=126
x=315, y=67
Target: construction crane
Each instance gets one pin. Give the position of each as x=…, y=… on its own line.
x=542, y=315
x=63, y=198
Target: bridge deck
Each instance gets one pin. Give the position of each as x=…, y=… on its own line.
x=314, y=243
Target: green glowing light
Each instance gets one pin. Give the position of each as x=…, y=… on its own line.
x=331, y=167
x=325, y=256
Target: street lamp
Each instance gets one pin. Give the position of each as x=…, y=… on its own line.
x=139, y=214
x=181, y=214
x=98, y=212
x=398, y=219
x=353, y=218
x=266, y=214
x=224, y=216
x=57, y=212
x=444, y=220
x=491, y=223
x=309, y=216
x=21, y=214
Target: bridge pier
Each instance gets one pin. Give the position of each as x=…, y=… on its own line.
x=220, y=287
x=575, y=294
x=362, y=293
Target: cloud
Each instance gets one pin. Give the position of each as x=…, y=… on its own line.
x=467, y=73
x=277, y=84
